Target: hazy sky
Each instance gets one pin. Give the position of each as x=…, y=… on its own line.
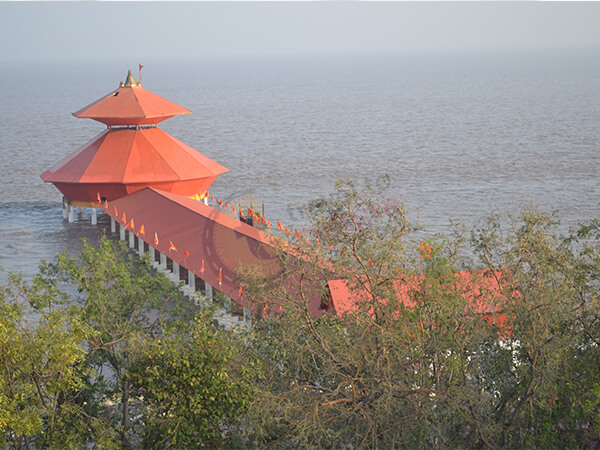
x=140, y=30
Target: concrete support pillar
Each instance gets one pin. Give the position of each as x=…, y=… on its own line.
x=191, y=283
x=205, y=200
x=131, y=239
x=94, y=217
x=113, y=225
x=163, y=262
x=121, y=232
x=140, y=246
x=65, y=207
x=71, y=214
x=209, y=291
x=152, y=253
x=175, y=272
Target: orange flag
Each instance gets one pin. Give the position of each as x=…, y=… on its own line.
x=155, y=239
x=116, y=213
x=287, y=230
x=106, y=203
x=250, y=212
x=220, y=202
x=240, y=290
x=220, y=277
x=233, y=208
x=142, y=230
x=99, y=199
x=186, y=253
x=255, y=217
x=130, y=225
x=298, y=235
x=172, y=247
x=226, y=205
x=202, y=267
x=124, y=218
x=269, y=224
x=213, y=198
x=279, y=226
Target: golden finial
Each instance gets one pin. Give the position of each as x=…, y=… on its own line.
x=129, y=81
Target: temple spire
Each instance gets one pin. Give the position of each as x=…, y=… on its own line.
x=129, y=81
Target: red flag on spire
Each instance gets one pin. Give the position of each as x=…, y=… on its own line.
x=220, y=277
x=142, y=230
x=172, y=247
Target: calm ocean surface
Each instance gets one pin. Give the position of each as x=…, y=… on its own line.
x=459, y=136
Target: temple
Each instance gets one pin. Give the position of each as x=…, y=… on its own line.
x=154, y=188
x=132, y=153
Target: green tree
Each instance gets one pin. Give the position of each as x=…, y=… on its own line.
x=195, y=384
x=429, y=357
x=43, y=375
x=121, y=299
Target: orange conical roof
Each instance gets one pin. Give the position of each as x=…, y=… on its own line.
x=131, y=156
x=131, y=104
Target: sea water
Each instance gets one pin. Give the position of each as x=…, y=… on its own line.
x=458, y=135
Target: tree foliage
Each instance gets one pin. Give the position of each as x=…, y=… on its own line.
x=429, y=368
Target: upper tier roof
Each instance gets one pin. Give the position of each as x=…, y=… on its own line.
x=131, y=104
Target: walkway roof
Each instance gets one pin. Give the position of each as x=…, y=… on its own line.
x=195, y=236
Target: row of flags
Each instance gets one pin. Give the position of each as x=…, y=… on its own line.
x=172, y=248
x=261, y=220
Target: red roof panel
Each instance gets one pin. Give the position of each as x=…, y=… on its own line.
x=131, y=105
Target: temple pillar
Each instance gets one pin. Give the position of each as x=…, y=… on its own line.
x=94, y=217
x=191, y=282
x=131, y=239
x=121, y=232
x=152, y=253
x=140, y=246
x=175, y=272
x=113, y=225
x=65, y=207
